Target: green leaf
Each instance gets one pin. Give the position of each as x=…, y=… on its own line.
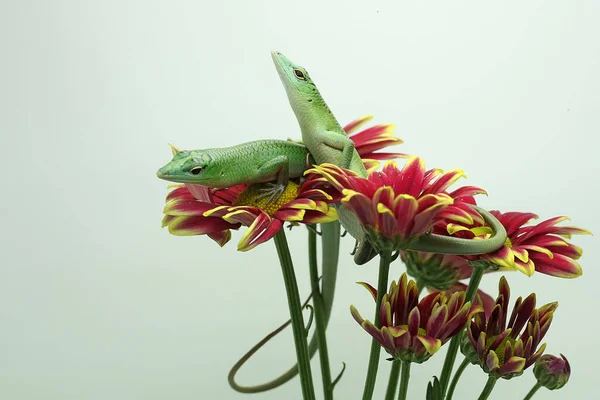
x=434, y=390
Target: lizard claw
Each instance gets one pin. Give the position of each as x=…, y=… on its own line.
x=272, y=190
x=356, y=244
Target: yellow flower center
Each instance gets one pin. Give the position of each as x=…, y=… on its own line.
x=420, y=332
x=508, y=242
x=500, y=349
x=254, y=196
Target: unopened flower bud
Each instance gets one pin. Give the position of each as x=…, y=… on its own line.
x=552, y=372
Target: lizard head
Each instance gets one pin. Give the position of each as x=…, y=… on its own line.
x=295, y=78
x=188, y=167
x=304, y=97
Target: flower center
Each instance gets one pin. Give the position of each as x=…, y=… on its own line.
x=508, y=242
x=500, y=347
x=420, y=332
x=255, y=196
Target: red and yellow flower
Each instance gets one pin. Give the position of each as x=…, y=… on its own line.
x=528, y=248
x=199, y=210
x=396, y=206
x=504, y=346
x=413, y=330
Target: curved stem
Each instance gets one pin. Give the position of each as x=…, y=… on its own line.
x=534, y=389
x=320, y=324
x=384, y=268
x=457, y=375
x=390, y=393
x=455, y=341
x=291, y=287
x=330, y=239
x=404, y=380
x=489, y=386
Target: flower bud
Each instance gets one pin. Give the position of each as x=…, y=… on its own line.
x=552, y=372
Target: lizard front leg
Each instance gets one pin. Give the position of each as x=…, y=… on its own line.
x=280, y=168
x=339, y=142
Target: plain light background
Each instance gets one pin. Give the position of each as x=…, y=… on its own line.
x=98, y=302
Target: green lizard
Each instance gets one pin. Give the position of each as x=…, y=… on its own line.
x=328, y=143
x=272, y=162
x=250, y=163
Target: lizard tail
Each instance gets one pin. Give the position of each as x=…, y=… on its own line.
x=330, y=239
x=451, y=245
x=292, y=372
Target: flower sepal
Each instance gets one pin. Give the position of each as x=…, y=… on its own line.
x=484, y=264
x=435, y=271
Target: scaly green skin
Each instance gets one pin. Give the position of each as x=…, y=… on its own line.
x=328, y=143
x=253, y=162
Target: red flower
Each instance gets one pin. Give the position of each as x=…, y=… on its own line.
x=199, y=210
x=528, y=248
x=505, y=346
x=396, y=206
x=413, y=330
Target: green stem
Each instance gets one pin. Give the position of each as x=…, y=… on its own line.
x=320, y=324
x=455, y=341
x=384, y=268
x=457, y=375
x=474, y=282
x=404, y=380
x=390, y=393
x=489, y=386
x=291, y=287
x=534, y=389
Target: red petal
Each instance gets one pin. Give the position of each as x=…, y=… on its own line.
x=221, y=237
x=187, y=226
x=559, y=266
x=357, y=123
x=360, y=205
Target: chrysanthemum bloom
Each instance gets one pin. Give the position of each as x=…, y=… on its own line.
x=199, y=210
x=552, y=372
x=396, y=206
x=505, y=349
x=413, y=330
x=528, y=248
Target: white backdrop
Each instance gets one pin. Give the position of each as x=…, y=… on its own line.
x=97, y=302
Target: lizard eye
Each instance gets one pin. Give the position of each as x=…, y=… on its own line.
x=299, y=74
x=196, y=170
